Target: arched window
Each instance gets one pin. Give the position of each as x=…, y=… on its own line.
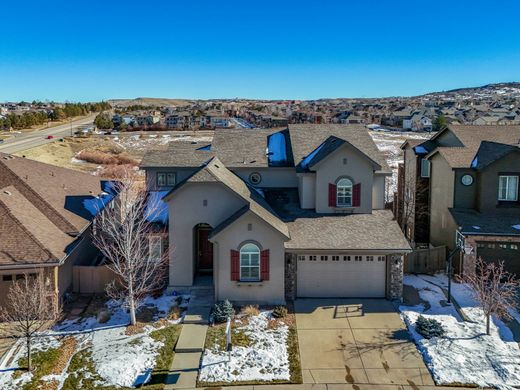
x=249, y=262
x=344, y=192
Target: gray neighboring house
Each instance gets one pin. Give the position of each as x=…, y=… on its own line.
x=274, y=215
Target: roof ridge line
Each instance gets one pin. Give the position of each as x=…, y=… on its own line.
x=21, y=225
x=28, y=187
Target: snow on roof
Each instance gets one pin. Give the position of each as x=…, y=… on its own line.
x=420, y=149
x=276, y=149
x=156, y=207
x=306, y=161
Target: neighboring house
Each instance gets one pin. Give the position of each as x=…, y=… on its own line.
x=147, y=120
x=474, y=174
x=45, y=221
x=274, y=215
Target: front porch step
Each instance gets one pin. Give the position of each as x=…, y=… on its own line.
x=198, y=314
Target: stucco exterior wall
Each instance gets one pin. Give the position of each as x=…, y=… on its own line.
x=307, y=190
x=448, y=139
x=442, y=225
x=186, y=210
x=378, y=192
x=233, y=237
x=271, y=177
x=358, y=168
x=465, y=196
x=488, y=181
x=151, y=176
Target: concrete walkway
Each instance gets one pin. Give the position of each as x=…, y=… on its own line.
x=190, y=346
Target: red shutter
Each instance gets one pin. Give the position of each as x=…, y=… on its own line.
x=264, y=264
x=356, y=195
x=332, y=195
x=235, y=267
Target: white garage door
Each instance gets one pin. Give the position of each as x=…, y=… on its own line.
x=322, y=276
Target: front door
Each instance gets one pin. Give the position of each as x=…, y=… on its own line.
x=204, y=250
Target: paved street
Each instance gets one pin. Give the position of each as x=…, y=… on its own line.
x=356, y=341
x=30, y=140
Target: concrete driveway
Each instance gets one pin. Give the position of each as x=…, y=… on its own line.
x=356, y=341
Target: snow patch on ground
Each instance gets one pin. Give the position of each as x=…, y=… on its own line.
x=144, y=142
x=389, y=143
x=267, y=359
x=118, y=358
x=465, y=355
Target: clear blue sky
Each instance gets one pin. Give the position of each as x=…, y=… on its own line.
x=100, y=49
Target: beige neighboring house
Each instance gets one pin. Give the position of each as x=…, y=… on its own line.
x=472, y=177
x=274, y=215
x=46, y=214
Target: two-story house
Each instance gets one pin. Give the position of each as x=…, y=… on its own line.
x=473, y=175
x=274, y=215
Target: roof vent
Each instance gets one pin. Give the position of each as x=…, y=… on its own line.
x=7, y=192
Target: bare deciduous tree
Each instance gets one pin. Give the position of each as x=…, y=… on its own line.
x=414, y=206
x=31, y=307
x=122, y=233
x=494, y=289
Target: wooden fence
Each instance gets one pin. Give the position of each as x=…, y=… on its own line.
x=425, y=261
x=91, y=279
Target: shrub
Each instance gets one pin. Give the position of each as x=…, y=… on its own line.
x=250, y=310
x=428, y=327
x=222, y=311
x=279, y=312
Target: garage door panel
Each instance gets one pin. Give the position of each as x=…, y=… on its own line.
x=317, y=279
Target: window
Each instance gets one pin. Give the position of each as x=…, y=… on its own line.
x=370, y=258
x=250, y=262
x=301, y=257
x=380, y=258
x=165, y=179
x=508, y=188
x=324, y=258
x=335, y=258
x=346, y=258
x=312, y=258
x=255, y=178
x=154, y=248
x=425, y=168
x=7, y=278
x=344, y=193
x=358, y=258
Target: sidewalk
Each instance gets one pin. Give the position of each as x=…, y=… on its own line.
x=190, y=346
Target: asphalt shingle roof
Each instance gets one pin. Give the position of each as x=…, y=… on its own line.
x=497, y=223
x=375, y=231
x=305, y=138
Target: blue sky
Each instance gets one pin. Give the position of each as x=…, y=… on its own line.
x=80, y=51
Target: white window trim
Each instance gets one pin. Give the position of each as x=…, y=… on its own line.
x=500, y=188
x=344, y=189
x=152, y=241
x=166, y=175
x=249, y=253
x=428, y=163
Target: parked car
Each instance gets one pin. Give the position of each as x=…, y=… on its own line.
x=50, y=137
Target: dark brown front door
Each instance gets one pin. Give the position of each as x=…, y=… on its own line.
x=205, y=250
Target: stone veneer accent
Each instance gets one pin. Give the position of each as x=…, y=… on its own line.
x=394, y=272
x=469, y=260
x=291, y=265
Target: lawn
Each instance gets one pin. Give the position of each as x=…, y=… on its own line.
x=265, y=351
x=86, y=354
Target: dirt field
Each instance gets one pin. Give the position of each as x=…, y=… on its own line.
x=64, y=153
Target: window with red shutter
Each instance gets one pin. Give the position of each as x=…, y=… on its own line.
x=264, y=264
x=235, y=265
x=356, y=195
x=332, y=195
